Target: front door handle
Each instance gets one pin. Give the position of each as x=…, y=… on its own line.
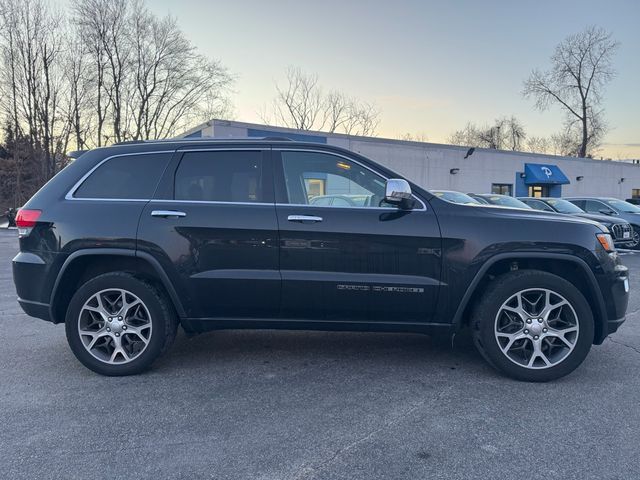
x=167, y=213
x=304, y=218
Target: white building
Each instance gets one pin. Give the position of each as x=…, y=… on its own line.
x=449, y=167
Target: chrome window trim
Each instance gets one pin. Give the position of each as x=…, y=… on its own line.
x=386, y=209
x=215, y=202
x=70, y=194
x=326, y=152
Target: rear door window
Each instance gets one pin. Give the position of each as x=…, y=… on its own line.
x=132, y=177
x=219, y=176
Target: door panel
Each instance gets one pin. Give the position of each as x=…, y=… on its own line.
x=356, y=263
x=222, y=253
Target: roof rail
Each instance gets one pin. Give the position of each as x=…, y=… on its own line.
x=129, y=142
x=277, y=139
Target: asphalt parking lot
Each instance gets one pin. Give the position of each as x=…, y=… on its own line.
x=301, y=405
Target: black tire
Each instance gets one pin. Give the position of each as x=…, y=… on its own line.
x=635, y=234
x=483, y=324
x=162, y=319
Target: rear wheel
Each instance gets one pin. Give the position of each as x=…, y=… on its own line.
x=118, y=324
x=533, y=325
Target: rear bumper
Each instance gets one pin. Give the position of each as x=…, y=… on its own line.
x=31, y=274
x=36, y=309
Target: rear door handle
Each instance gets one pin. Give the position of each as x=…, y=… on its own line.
x=304, y=218
x=167, y=213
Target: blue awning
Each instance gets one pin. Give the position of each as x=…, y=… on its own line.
x=539, y=173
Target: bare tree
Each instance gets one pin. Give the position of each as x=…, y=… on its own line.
x=78, y=77
x=114, y=71
x=32, y=53
x=535, y=144
x=337, y=110
x=505, y=133
x=103, y=24
x=414, y=137
x=299, y=103
x=363, y=119
x=173, y=84
x=146, y=79
x=302, y=104
x=88, y=18
x=581, y=67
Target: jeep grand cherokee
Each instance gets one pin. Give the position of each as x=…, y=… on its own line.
x=131, y=240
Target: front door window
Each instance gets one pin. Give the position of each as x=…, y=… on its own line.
x=320, y=179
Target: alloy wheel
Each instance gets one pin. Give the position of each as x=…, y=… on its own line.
x=536, y=328
x=114, y=326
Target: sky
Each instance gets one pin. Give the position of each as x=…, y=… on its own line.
x=430, y=67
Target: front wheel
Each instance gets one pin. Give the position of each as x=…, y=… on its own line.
x=533, y=325
x=117, y=324
x=635, y=239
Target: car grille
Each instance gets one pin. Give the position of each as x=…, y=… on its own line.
x=618, y=230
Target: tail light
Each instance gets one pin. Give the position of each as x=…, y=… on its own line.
x=26, y=220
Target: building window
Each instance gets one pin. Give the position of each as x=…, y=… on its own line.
x=635, y=193
x=502, y=189
x=315, y=187
x=538, y=191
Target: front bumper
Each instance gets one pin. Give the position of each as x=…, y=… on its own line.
x=614, y=287
x=614, y=325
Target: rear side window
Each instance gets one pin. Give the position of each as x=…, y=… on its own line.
x=220, y=177
x=128, y=177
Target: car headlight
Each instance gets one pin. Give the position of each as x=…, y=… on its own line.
x=606, y=241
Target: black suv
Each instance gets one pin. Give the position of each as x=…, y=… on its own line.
x=129, y=241
x=621, y=230
x=612, y=207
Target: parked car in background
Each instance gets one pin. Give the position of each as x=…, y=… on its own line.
x=611, y=207
x=344, y=200
x=620, y=229
x=501, y=200
x=455, y=197
x=633, y=201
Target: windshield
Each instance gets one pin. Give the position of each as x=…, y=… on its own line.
x=455, y=197
x=506, y=201
x=623, y=206
x=564, y=206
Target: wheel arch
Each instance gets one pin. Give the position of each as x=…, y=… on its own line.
x=569, y=267
x=84, y=264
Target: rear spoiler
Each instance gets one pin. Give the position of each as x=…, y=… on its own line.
x=76, y=153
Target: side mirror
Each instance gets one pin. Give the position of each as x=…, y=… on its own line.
x=606, y=211
x=398, y=193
